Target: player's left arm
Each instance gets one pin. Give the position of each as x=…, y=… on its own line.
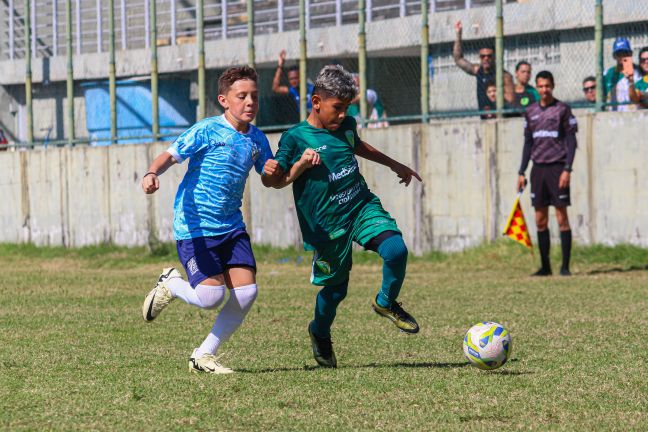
x=570, y=127
x=371, y=153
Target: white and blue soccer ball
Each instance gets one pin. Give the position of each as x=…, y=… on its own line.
x=487, y=345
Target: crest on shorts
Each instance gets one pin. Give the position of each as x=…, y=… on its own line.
x=192, y=266
x=349, y=136
x=323, y=266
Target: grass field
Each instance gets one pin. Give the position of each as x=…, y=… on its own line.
x=76, y=354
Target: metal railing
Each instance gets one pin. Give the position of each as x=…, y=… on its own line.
x=432, y=85
x=176, y=21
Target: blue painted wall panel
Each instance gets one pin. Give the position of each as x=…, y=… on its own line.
x=177, y=111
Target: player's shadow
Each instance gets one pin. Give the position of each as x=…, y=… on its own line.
x=425, y=365
x=433, y=365
x=618, y=270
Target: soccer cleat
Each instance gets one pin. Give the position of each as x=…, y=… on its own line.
x=322, y=350
x=396, y=314
x=207, y=363
x=542, y=272
x=160, y=296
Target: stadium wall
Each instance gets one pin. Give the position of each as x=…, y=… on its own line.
x=91, y=195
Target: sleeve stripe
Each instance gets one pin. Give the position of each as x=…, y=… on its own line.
x=173, y=152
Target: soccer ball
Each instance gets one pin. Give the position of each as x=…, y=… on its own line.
x=487, y=345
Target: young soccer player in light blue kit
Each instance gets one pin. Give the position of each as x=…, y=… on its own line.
x=212, y=243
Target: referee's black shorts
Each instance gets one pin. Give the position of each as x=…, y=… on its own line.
x=544, y=186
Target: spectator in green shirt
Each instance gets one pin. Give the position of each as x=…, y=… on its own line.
x=525, y=93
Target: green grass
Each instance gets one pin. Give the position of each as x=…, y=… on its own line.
x=76, y=354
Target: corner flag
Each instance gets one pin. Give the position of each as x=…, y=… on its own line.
x=516, y=227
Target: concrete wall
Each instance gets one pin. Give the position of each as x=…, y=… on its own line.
x=84, y=195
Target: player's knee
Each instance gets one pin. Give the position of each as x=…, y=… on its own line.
x=245, y=296
x=336, y=293
x=393, y=249
x=210, y=296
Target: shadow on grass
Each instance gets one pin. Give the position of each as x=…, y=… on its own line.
x=618, y=270
x=435, y=365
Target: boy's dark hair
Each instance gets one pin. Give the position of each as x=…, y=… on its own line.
x=520, y=64
x=488, y=46
x=643, y=50
x=334, y=81
x=589, y=78
x=293, y=68
x=233, y=74
x=545, y=75
x=490, y=83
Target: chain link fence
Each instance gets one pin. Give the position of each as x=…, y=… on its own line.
x=538, y=35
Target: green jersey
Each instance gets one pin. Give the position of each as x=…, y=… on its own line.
x=642, y=84
x=329, y=196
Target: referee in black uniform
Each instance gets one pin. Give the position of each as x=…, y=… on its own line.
x=550, y=142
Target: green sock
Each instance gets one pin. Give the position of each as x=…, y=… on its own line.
x=394, y=253
x=326, y=305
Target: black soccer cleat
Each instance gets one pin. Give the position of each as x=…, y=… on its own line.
x=542, y=272
x=322, y=350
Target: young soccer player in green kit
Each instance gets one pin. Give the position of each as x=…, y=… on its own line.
x=335, y=207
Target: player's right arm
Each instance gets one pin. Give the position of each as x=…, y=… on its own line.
x=276, y=81
x=279, y=179
x=150, y=181
x=526, y=154
x=457, y=53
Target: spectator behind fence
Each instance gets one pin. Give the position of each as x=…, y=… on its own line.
x=525, y=93
x=484, y=71
x=292, y=88
x=375, y=108
x=642, y=85
x=619, y=80
x=589, y=89
x=491, y=94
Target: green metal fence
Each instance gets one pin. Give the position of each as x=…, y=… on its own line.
x=403, y=52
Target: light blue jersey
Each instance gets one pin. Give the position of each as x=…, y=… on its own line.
x=208, y=202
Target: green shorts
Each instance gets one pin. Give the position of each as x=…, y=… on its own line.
x=332, y=260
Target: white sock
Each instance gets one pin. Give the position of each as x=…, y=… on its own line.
x=229, y=319
x=210, y=296
x=203, y=296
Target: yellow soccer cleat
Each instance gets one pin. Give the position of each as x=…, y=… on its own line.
x=396, y=314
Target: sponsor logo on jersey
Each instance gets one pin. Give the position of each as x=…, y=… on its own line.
x=349, y=136
x=255, y=152
x=545, y=134
x=321, y=148
x=347, y=195
x=346, y=171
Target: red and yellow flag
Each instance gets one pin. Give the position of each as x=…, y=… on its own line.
x=516, y=227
